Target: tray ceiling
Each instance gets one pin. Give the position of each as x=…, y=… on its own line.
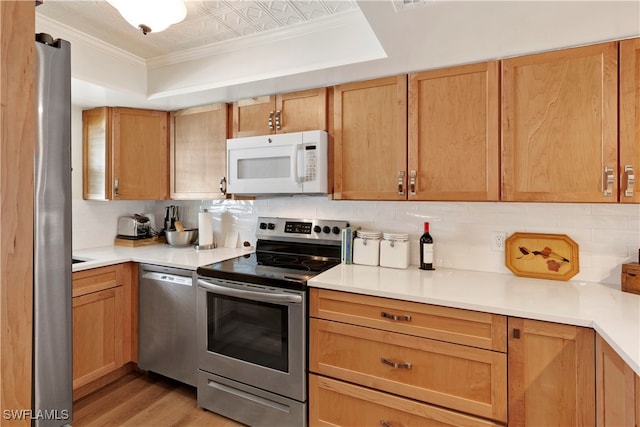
x=207, y=22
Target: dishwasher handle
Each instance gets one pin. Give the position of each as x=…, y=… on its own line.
x=168, y=278
x=250, y=295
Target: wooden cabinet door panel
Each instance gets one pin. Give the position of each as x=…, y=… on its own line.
x=551, y=374
x=615, y=382
x=251, y=116
x=453, y=133
x=472, y=328
x=629, y=120
x=559, y=125
x=463, y=378
x=370, y=139
x=302, y=111
x=97, y=335
x=96, y=154
x=336, y=403
x=198, y=152
x=140, y=154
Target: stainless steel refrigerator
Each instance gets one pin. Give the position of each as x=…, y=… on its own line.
x=52, y=317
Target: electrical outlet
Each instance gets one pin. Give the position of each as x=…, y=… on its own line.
x=497, y=241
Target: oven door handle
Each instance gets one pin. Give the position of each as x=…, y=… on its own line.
x=251, y=295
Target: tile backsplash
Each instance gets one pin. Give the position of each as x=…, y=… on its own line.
x=608, y=235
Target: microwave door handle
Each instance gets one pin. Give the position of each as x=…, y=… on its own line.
x=296, y=151
x=250, y=295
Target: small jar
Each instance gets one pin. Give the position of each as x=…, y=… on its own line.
x=366, y=247
x=394, y=250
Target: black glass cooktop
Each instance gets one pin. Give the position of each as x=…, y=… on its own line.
x=276, y=264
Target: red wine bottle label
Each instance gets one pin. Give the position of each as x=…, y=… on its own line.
x=427, y=253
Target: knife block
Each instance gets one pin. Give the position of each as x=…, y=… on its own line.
x=630, y=279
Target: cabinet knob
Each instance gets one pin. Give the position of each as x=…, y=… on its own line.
x=631, y=180
x=385, y=423
x=116, y=189
x=516, y=333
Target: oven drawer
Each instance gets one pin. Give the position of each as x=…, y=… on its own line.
x=463, y=378
x=248, y=405
x=473, y=328
x=336, y=403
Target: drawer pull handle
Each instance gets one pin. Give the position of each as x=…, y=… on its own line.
x=385, y=423
x=395, y=365
x=402, y=318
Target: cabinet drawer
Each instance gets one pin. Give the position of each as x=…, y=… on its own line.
x=455, y=325
x=463, y=378
x=336, y=403
x=96, y=279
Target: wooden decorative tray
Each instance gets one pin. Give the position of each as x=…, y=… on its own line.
x=543, y=256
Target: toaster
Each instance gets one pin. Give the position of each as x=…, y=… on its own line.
x=133, y=227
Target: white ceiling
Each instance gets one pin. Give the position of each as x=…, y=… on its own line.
x=232, y=49
x=207, y=22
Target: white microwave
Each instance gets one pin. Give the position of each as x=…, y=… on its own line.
x=288, y=163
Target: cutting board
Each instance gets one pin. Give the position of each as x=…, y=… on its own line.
x=542, y=256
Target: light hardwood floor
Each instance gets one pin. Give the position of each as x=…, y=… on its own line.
x=139, y=399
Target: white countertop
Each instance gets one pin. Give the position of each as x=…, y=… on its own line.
x=614, y=314
x=160, y=254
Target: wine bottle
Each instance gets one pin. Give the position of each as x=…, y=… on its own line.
x=426, y=249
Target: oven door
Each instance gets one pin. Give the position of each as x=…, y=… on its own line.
x=253, y=334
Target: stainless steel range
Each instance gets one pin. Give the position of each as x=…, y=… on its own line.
x=252, y=322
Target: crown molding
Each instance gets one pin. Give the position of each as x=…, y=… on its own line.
x=59, y=30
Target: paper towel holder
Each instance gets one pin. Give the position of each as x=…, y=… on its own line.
x=205, y=247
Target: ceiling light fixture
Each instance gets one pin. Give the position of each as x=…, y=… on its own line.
x=151, y=15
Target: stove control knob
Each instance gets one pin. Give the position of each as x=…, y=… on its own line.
x=263, y=226
x=335, y=230
x=271, y=226
x=317, y=229
x=326, y=229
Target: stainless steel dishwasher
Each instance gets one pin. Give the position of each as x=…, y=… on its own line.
x=167, y=322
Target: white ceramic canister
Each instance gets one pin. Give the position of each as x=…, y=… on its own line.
x=394, y=250
x=366, y=247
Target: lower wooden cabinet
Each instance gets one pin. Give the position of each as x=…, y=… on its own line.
x=337, y=403
x=97, y=334
x=104, y=322
x=387, y=362
x=617, y=402
x=551, y=374
x=467, y=379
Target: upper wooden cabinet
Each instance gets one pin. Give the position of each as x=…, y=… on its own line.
x=629, y=164
x=198, y=152
x=551, y=374
x=453, y=133
x=370, y=139
x=559, y=125
x=283, y=113
x=125, y=154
